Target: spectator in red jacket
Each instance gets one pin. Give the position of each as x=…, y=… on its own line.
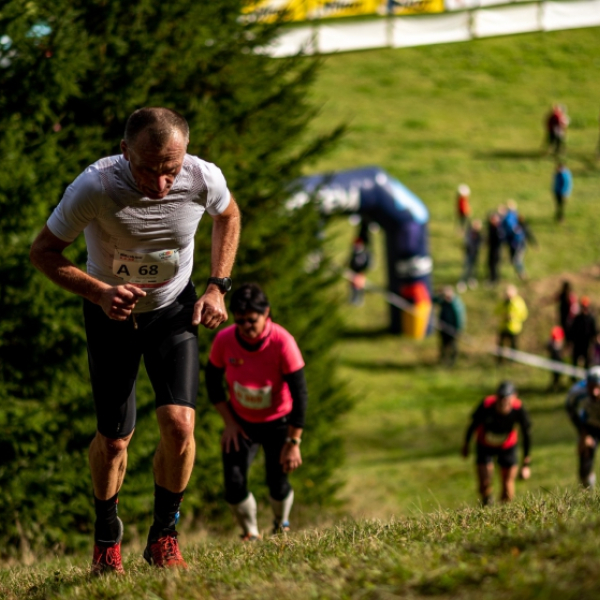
x=557, y=122
x=463, y=207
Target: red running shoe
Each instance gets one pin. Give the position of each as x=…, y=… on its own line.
x=165, y=552
x=107, y=559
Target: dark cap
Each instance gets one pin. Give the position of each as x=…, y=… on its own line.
x=506, y=388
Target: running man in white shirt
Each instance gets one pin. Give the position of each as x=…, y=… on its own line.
x=139, y=212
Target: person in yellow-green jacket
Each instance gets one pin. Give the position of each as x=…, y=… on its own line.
x=513, y=313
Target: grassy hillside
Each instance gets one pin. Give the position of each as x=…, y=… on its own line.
x=539, y=548
x=435, y=117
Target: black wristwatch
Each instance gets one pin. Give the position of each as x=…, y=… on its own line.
x=223, y=283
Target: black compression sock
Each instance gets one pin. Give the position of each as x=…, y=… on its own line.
x=107, y=528
x=166, y=510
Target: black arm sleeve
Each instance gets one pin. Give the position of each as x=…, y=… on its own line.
x=475, y=422
x=526, y=431
x=214, y=383
x=470, y=432
x=297, y=384
x=571, y=406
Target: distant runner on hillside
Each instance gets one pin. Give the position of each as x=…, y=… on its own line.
x=494, y=422
x=512, y=312
x=583, y=407
x=583, y=333
x=463, y=206
x=472, y=244
x=360, y=261
x=264, y=371
x=451, y=323
x=562, y=186
x=139, y=211
x=555, y=346
x=495, y=239
x=556, y=122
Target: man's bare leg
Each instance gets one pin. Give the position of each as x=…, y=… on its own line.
x=509, y=475
x=484, y=476
x=173, y=464
x=174, y=458
x=108, y=463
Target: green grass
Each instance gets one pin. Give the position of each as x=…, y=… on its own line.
x=440, y=115
x=540, y=547
x=434, y=117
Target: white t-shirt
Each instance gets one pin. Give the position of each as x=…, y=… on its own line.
x=133, y=238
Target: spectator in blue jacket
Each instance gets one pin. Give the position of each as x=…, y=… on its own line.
x=510, y=228
x=521, y=236
x=563, y=184
x=510, y=218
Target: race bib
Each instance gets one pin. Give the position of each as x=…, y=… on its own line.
x=147, y=270
x=495, y=439
x=253, y=398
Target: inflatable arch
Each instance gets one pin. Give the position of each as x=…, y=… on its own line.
x=377, y=196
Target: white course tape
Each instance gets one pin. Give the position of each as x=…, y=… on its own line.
x=539, y=361
x=525, y=358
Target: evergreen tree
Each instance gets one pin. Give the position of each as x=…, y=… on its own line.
x=71, y=71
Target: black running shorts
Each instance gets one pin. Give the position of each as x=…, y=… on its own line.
x=168, y=342
x=507, y=457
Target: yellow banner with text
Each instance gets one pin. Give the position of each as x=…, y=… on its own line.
x=305, y=10
x=414, y=7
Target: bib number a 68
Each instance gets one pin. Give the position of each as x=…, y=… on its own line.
x=146, y=269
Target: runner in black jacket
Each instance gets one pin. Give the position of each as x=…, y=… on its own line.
x=494, y=421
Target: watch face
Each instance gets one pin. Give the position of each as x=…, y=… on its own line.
x=223, y=282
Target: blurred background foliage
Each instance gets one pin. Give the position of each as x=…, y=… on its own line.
x=71, y=71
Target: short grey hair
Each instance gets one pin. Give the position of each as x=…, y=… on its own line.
x=158, y=123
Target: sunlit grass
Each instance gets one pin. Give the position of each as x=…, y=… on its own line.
x=542, y=546
x=435, y=117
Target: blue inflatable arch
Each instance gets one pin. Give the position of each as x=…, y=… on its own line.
x=377, y=196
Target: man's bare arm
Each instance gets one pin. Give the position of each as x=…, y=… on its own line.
x=210, y=308
x=46, y=255
x=225, y=240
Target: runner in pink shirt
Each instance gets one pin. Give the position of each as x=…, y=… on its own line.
x=264, y=371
